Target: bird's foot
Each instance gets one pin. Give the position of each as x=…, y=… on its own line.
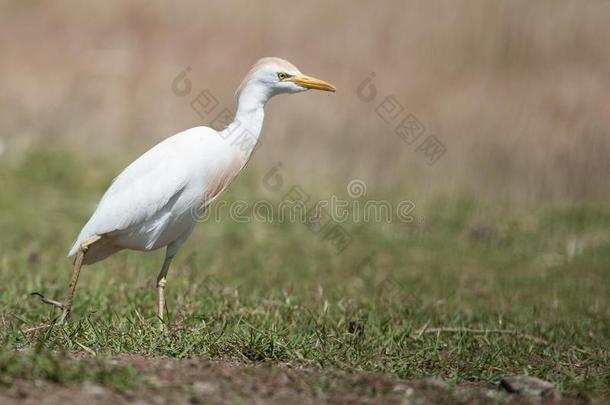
x=65, y=309
x=162, y=327
x=47, y=300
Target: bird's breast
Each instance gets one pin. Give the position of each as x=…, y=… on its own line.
x=224, y=176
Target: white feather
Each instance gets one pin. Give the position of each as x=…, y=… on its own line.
x=149, y=204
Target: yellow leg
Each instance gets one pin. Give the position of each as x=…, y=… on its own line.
x=78, y=264
x=161, y=297
x=161, y=283
x=66, y=306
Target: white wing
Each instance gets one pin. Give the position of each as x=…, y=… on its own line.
x=140, y=199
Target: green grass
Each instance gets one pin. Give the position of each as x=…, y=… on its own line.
x=279, y=293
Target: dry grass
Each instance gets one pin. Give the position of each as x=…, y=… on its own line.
x=517, y=91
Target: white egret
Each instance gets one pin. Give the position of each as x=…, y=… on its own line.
x=151, y=203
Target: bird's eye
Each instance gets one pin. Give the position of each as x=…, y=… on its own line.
x=282, y=75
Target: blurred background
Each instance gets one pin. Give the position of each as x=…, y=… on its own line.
x=511, y=225
x=516, y=91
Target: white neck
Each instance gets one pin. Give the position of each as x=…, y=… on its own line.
x=246, y=127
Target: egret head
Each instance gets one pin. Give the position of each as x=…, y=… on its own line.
x=271, y=76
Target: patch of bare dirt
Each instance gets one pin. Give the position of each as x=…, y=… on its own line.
x=200, y=380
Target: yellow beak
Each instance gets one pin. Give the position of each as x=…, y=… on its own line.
x=311, y=83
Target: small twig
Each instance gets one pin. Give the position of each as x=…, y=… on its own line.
x=422, y=330
x=36, y=328
x=48, y=300
x=141, y=319
x=518, y=334
x=87, y=349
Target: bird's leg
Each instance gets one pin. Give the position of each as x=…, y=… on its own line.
x=161, y=283
x=170, y=252
x=78, y=264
